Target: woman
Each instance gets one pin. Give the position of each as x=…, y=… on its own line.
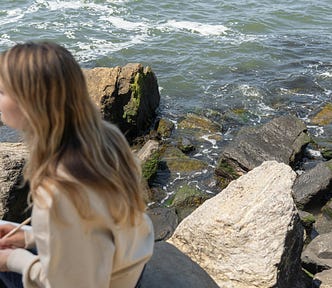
x=88, y=220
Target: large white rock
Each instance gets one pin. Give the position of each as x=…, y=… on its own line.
x=249, y=235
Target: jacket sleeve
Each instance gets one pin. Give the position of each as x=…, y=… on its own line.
x=70, y=254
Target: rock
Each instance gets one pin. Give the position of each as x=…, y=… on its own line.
x=164, y=222
x=324, y=219
x=323, y=224
x=201, y=123
x=282, y=139
x=307, y=220
x=127, y=96
x=324, y=116
x=165, y=127
x=169, y=267
x=317, y=256
x=149, y=155
x=185, y=145
x=313, y=185
x=249, y=235
x=324, y=279
x=186, y=200
x=147, y=150
x=13, y=196
x=154, y=196
x=177, y=161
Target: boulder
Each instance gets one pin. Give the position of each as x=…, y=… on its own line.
x=201, y=123
x=186, y=199
x=324, y=279
x=13, y=194
x=324, y=219
x=324, y=116
x=249, y=235
x=282, y=139
x=317, y=256
x=169, y=267
x=178, y=162
x=127, y=96
x=149, y=157
x=313, y=185
x=164, y=222
x=165, y=127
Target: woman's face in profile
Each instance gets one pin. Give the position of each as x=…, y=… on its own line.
x=11, y=114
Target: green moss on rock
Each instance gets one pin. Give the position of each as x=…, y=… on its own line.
x=193, y=121
x=165, y=127
x=324, y=116
x=150, y=166
x=186, y=200
x=225, y=173
x=327, y=209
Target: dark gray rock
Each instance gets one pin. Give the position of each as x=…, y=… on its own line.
x=323, y=224
x=170, y=268
x=282, y=139
x=313, y=185
x=317, y=256
x=164, y=222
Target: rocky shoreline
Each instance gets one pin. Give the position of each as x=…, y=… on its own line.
x=253, y=211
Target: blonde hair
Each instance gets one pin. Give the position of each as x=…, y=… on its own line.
x=64, y=128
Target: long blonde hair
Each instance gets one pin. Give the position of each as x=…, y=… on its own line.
x=64, y=128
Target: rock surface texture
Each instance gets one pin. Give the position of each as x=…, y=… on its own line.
x=314, y=184
x=13, y=198
x=249, y=235
x=170, y=268
x=282, y=139
x=127, y=96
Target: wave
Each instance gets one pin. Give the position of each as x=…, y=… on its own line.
x=196, y=27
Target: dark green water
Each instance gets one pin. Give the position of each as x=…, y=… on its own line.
x=265, y=57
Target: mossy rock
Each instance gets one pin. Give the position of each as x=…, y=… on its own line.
x=324, y=116
x=239, y=115
x=130, y=110
x=327, y=209
x=193, y=121
x=185, y=164
x=165, y=128
x=327, y=153
x=185, y=145
x=149, y=167
x=307, y=219
x=226, y=171
x=170, y=152
x=177, y=161
x=186, y=199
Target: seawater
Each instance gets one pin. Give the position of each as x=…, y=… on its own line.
x=261, y=57
x=265, y=57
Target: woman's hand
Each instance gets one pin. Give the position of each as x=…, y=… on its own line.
x=17, y=240
x=4, y=254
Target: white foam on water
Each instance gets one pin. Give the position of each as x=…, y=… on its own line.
x=100, y=47
x=195, y=27
x=326, y=74
x=120, y=23
x=12, y=16
x=317, y=130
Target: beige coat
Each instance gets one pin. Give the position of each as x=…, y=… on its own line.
x=73, y=253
